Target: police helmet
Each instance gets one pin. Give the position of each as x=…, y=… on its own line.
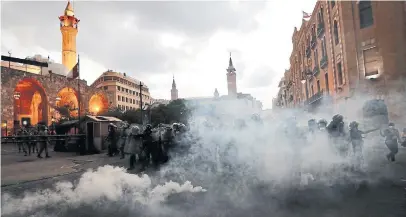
x=353, y=124
x=148, y=126
x=391, y=124
x=322, y=122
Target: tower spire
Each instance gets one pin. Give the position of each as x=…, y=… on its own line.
x=69, y=30
x=174, y=91
x=230, y=65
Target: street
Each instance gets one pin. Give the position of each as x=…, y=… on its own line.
x=110, y=191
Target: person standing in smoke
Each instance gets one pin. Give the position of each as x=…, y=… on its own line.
x=404, y=137
x=322, y=125
x=147, y=146
x=44, y=141
x=312, y=125
x=123, y=138
x=336, y=132
x=392, y=138
x=111, y=137
x=357, y=142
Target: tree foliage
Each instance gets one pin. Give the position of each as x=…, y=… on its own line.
x=175, y=111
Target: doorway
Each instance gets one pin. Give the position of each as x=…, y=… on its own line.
x=90, y=136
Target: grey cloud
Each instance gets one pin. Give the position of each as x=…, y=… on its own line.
x=136, y=49
x=261, y=77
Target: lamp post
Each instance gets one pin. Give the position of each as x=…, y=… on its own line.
x=17, y=96
x=4, y=126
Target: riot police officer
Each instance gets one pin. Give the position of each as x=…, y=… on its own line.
x=392, y=137
x=322, y=124
x=312, y=125
x=336, y=132
x=111, y=137
x=147, y=146
x=44, y=141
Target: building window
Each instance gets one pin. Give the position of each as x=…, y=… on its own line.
x=138, y=102
x=131, y=101
x=318, y=86
x=126, y=99
x=333, y=3
x=339, y=73
x=365, y=14
x=105, y=87
x=119, y=98
x=316, y=58
x=336, y=39
x=371, y=61
x=118, y=87
x=323, y=47
x=312, y=90
x=326, y=81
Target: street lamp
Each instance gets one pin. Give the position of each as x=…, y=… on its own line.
x=4, y=126
x=17, y=95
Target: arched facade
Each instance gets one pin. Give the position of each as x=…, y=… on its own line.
x=29, y=101
x=40, y=95
x=98, y=103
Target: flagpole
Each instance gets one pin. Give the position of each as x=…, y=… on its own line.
x=79, y=93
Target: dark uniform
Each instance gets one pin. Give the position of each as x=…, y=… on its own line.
x=357, y=142
x=111, y=137
x=392, y=138
x=43, y=144
x=336, y=132
x=312, y=125
x=147, y=146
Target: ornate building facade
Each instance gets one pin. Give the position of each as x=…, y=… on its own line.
x=346, y=50
x=129, y=93
x=33, y=89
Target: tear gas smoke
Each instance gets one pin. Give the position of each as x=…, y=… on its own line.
x=248, y=169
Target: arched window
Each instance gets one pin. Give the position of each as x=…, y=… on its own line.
x=365, y=14
x=336, y=39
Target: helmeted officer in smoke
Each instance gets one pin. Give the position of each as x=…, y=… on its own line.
x=134, y=145
x=312, y=125
x=44, y=141
x=322, y=125
x=336, y=132
x=392, y=137
x=147, y=146
x=123, y=138
x=111, y=137
x=356, y=139
x=23, y=144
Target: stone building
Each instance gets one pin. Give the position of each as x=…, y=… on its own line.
x=36, y=97
x=36, y=90
x=350, y=50
x=128, y=92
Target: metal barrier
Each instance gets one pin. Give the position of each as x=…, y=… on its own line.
x=23, y=138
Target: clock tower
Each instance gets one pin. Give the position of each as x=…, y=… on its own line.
x=69, y=30
x=231, y=79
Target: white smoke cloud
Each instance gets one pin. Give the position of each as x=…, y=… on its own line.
x=245, y=170
x=107, y=182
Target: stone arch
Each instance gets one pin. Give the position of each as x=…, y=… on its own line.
x=98, y=103
x=30, y=101
x=68, y=97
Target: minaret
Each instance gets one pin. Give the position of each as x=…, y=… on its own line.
x=231, y=79
x=69, y=30
x=216, y=93
x=174, y=91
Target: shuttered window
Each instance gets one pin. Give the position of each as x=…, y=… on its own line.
x=371, y=61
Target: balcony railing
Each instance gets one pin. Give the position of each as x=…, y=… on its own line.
x=314, y=98
x=308, y=52
x=320, y=29
x=313, y=42
x=323, y=62
x=316, y=71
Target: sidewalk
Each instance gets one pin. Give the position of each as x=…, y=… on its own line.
x=17, y=168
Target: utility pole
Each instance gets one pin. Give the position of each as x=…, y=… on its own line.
x=142, y=117
x=9, y=61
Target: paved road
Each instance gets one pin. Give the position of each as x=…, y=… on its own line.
x=384, y=198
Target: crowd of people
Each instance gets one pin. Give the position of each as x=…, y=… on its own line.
x=145, y=146
x=34, y=137
x=343, y=138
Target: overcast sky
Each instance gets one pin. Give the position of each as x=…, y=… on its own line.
x=154, y=40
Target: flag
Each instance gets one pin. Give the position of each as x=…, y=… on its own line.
x=306, y=15
x=74, y=73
